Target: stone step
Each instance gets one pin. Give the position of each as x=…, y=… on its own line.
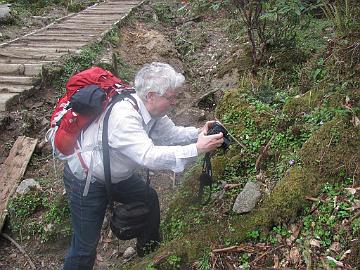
x=20, y=69
x=35, y=53
x=5, y=99
x=6, y=80
x=14, y=88
x=24, y=60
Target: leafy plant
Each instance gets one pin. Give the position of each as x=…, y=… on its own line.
x=269, y=24
x=174, y=261
x=254, y=234
x=341, y=13
x=163, y=12
x=38, y=213
x=150, y=267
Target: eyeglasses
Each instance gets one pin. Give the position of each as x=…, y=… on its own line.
x=170, y=98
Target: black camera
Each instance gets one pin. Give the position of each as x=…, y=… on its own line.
x=217, y=128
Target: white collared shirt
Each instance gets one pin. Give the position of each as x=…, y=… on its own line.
x=168, y=147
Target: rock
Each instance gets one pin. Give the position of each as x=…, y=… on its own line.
x=247, y=198
x=105, y=223
x=129, y=252
x=27, y=185
x=5, y=13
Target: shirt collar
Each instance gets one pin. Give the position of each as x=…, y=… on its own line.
x=143, y=111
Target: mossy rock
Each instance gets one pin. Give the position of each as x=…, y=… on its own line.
x=303, y=103
x=240, y=60
x=333, y=151
x=335, y=145
x=285, y=202
x=234, y=103
x=218, y=164
x=233, y=99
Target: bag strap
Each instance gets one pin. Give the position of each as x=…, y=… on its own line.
x=205, y=179
x=105, y=146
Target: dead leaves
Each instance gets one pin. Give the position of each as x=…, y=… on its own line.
x=348, y=105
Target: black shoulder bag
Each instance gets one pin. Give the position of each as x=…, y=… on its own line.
x=127, y=220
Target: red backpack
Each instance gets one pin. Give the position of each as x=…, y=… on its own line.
x=88, y=93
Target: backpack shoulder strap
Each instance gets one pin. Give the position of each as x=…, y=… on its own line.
x=125, y=94
x=105, y=145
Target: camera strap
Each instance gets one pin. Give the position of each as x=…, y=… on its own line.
x=206, y=179
x=106, y=152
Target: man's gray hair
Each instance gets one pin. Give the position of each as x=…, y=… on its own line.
x=157, y=77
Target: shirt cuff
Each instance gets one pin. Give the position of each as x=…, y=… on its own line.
x=187, y=151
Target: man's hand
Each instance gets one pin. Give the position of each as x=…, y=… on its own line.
x=206, y=127
x=207, y=143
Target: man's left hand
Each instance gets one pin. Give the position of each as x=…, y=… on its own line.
x=206, y=127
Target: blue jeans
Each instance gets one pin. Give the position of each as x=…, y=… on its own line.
x=87, y=216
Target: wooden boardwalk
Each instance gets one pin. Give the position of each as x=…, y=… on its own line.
x=22, y=59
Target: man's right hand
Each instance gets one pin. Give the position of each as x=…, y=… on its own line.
x=207, y=143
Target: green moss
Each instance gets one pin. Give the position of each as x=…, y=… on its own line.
x=285, y=201
x=232, y=99
x=303, y=103
x=328, y=155
x=241, y=61
x=333, y=151
x=218, y=164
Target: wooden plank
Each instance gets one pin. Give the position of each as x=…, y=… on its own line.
x=12, y=170
x=20, y=69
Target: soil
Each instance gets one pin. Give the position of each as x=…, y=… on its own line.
x=148, y=40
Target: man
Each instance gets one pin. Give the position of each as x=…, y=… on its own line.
x=140, y=135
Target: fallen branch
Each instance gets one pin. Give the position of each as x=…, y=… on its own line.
x=263, y=153
x=20, y=248
x=234, y=249
x=312, y=199
x=231, y=186
x=265, y=253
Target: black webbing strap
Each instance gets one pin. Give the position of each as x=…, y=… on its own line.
x=106, y=152
x=205, y=178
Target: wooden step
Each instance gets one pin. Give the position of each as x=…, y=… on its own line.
x=39, y=45
x=14, y=88
x=20, y=69
x=24, y=60
x=16, y=80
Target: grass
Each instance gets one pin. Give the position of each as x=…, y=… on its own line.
x=40, y=214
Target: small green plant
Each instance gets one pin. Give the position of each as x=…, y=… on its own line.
x=204, y=262
x=150, y=267
x=355, y=226
x=320, y=71
x=163, y=12
x=254, y=234
x=39, y=213
x=174, y=261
